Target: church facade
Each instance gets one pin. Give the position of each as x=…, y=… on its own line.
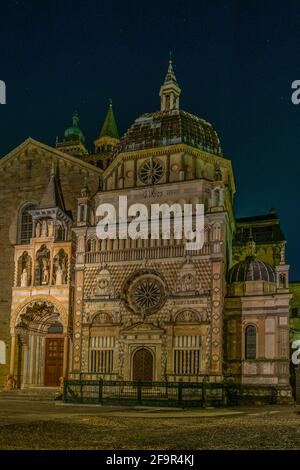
x=138, y=309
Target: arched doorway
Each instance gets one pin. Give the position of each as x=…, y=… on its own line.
x=54, y=354
x=142, y=365
x=39, y=348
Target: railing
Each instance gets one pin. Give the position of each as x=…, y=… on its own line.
x=131, y=254
x=181, y=394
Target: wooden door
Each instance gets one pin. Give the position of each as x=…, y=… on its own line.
x=143, y=365
x=54, y=361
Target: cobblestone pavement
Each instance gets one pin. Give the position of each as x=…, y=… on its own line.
x=52, y=425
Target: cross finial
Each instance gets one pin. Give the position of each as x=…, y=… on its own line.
x=75, y=119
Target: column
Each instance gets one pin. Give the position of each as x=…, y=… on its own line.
x=25, y=367
x=66, y=354
x=12, y=354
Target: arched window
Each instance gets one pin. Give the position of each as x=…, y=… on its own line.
x=250, y=342
x=26, y=225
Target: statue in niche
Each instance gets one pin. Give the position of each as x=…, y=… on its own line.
x=60, y=268
x=38, y=230
x=24, y=278
x=59, y=276
x=44, y=229
x=42, y=266
x=24, y=270
x=45, y=271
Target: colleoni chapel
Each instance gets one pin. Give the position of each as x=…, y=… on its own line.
x=144, y=309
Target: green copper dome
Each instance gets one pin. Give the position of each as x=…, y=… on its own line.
x=73, y=132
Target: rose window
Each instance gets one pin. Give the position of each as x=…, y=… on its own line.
x=151, y=172
x=146, y=294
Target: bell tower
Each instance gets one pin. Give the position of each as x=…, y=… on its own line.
x=169, y=92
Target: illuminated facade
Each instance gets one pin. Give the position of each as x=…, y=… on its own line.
x=143, y=309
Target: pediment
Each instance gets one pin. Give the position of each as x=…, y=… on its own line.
x=36, y=146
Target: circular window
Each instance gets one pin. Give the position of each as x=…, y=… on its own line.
x=146, y=294
x=151, y=171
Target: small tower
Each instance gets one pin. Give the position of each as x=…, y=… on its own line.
x=282, y=270
x=107, y=140
x=74, y=140
x=50, y=219
x=84, y=210
x=169, y=92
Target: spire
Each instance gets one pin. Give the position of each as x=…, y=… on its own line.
x=107, y=140
x=53, y=196
x=109, y=128
x=169, y=92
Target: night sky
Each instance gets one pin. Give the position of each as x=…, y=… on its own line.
x=235, y=61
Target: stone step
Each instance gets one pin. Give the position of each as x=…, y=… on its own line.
x=32, y=394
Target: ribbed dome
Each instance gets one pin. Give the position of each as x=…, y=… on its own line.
x=73, y=132
x=251, y=269
x=170, y=127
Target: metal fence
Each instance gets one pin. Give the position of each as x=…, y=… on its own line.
x=182, y=394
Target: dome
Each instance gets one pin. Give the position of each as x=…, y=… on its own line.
x=251, y=269
x=170, y=127
x=73, y=132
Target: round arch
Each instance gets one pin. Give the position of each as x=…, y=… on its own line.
x=21, y=308
x=142, y=361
